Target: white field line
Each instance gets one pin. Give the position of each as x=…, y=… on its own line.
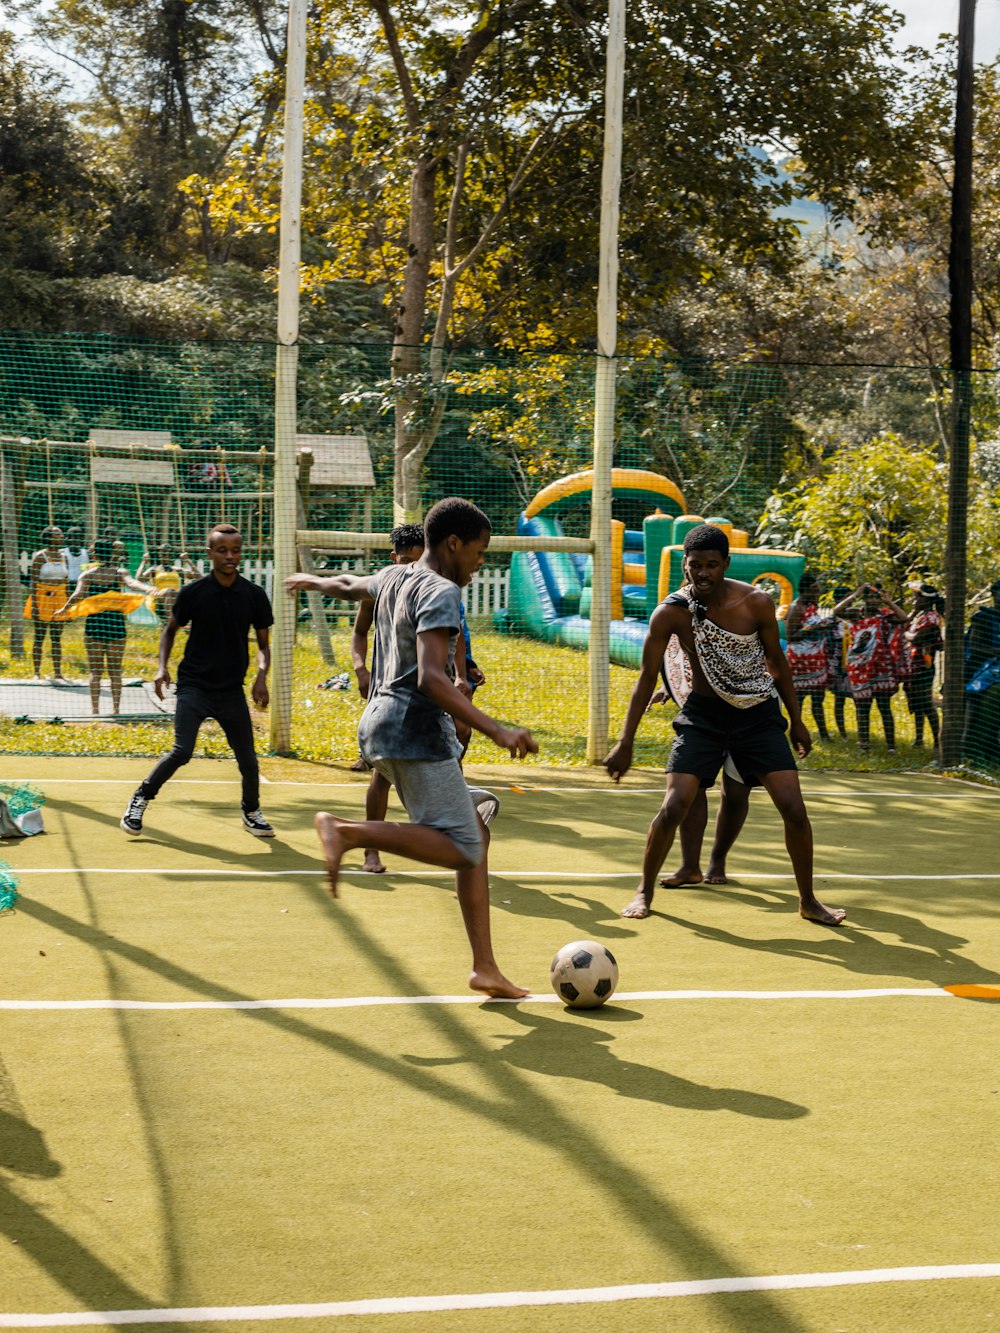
x=212, y=872
x=494, y=1300
x=378, y=1001
x=527, y=788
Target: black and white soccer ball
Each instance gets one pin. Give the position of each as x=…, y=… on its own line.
x=584, y=974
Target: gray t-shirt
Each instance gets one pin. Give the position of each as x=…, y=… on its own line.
x=399, y=722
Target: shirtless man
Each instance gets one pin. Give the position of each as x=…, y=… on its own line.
x=730, y=635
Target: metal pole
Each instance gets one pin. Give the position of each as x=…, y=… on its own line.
x=960, y=283
x=285, y=380
x=604, y=386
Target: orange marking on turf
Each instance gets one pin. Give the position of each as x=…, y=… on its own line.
x=973, y=992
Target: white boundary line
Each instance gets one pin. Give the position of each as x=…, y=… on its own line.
x=378, y=1001
x=528, y=787
x=429, y=873
x=493, y=1300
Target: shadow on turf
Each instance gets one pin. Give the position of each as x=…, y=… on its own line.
x=571, y=1048
x=175, y=841
x=23, y=1152
x=507, y=1100
x=923, y=954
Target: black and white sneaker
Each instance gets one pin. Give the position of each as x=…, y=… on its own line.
x=255, y=823
x=131, y=820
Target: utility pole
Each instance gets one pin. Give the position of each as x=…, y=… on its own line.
x=960, y=326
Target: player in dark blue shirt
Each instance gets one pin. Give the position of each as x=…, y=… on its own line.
x=221, y=609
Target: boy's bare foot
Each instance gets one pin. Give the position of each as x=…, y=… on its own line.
x=373, y=863
x=639, y=907
x=492, y=982
x=716, y=873
x=328, y=830
x=685, y=875
x=811, y=909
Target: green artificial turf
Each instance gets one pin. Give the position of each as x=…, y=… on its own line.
x=233, y=1157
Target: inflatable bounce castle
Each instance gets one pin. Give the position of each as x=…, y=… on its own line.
x=550, y=591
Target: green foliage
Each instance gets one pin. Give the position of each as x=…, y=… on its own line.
x=876, y=512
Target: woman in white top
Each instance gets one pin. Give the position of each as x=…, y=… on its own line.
x=75, y=554
x=49, y=575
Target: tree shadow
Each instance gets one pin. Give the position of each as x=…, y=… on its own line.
x=175, y=841
x=508, y=1101
x=24, y=1152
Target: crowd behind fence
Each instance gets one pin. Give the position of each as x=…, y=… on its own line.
x=151, y=443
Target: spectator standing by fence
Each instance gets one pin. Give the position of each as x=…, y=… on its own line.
x=807, y=650
x=924, y=640
x=872, y=664
x=49, y=578
x=982, y=676
x=840, y=630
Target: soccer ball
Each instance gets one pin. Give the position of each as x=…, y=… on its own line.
x=584, y=974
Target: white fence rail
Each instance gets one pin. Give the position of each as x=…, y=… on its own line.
x=485, y=594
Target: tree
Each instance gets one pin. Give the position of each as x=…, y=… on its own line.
x=177, y=87
x=876, y=513
x=454, y=156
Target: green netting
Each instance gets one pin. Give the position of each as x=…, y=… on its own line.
x=146, y=445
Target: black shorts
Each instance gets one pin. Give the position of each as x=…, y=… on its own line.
x=708, y=729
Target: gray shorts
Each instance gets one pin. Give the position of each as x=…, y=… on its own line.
x=434, y=793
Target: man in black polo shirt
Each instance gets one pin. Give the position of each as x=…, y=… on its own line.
x=220, y=608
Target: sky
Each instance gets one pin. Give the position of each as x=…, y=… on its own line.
x=925, y=19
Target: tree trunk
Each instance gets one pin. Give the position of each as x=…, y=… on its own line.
x=410, y=445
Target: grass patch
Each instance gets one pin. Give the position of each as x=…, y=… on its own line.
x=538, y=685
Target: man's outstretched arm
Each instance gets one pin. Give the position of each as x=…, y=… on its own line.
x=345, y=587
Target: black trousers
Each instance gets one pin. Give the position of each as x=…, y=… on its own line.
x=229, y=708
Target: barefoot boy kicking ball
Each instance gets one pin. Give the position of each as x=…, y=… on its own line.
x=407, y=731
x=730, y=634
x=221, y=609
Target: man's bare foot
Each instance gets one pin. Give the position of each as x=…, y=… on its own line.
x=328, y=830
x=716, y=873
x=812, y=909
x=639, y=907
x=373, y=863
x=685, y=875
x=492, y=982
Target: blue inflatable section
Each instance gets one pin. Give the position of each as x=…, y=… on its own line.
x=545, y=594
